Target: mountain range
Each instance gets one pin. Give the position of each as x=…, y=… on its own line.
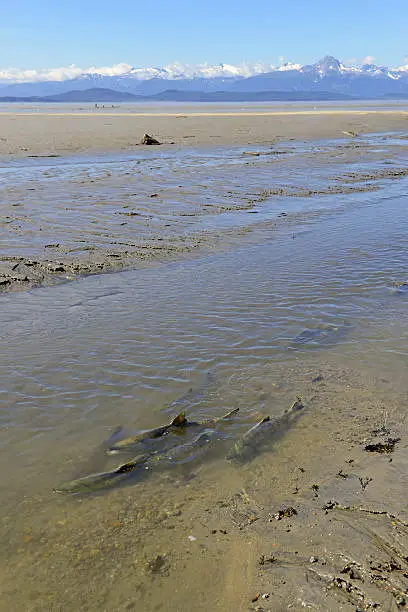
x=102, y=95
x=326, y=79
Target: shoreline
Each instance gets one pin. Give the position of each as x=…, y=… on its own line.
x=186, y=115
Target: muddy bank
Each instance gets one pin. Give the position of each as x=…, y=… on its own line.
x=50, y=130
x=62, y=220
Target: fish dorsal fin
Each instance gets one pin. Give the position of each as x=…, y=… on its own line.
x=297, y=405
x=126, y=467
x=229, y=414
x=179, y=420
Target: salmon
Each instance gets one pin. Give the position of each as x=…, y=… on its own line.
x=103, y=480
x=127, y=444
x=256, y=439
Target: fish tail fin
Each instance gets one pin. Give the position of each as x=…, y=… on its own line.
x=179, y=420
x=108, y=442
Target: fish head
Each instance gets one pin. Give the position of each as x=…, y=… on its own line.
x=205, y=436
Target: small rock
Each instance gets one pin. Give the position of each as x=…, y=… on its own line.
x=314, y=559
x=285, y=513
x=341, y=474
x=401, y=285
x=157, y=565
x=330, y=505
x=260, y=596
x=266, y=559
x=318, y=378
x=149, y=140
x=20, y=278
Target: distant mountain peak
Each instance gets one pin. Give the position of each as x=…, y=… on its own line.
x=328, y=74
x=328, y=63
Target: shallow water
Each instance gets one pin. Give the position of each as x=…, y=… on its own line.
x=159, y=107
x=83, y=214
x=126, y=348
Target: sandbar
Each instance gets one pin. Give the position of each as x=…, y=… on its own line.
x=68, y=129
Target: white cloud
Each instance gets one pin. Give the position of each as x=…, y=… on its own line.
x=368, y=59
x=16, y=75
x=175, y=70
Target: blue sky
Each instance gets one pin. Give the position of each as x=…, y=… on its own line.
x=44, y=33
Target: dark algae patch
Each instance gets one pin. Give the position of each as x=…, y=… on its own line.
x=386, y=446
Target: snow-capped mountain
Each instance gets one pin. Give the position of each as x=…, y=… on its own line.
x=174, y=71
x=326, y=75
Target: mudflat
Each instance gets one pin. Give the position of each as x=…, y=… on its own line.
x=299, y=289
x=71, y=216
x=34, y=129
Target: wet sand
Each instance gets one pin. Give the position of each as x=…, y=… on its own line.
x=81, y=358
x=66, y=218
x=143, y=547
x=295, y=288
x=63, y=130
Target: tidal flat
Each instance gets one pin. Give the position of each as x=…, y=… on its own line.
x=241, y=276
x=72, y=216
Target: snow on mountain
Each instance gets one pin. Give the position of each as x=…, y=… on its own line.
x=288, y=66
x=16, y=75
x=176, y=70
x=402, y=69
x=326, y=75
